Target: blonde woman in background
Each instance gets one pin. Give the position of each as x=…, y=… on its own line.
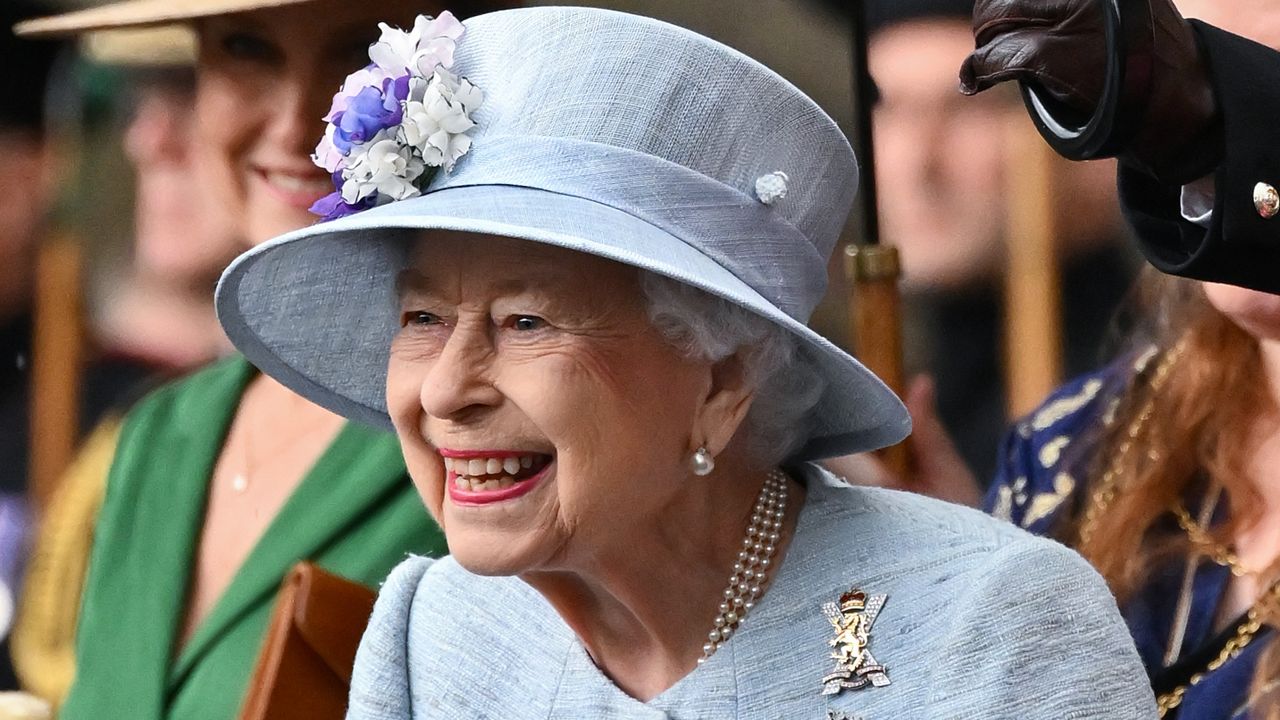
x=222, y=481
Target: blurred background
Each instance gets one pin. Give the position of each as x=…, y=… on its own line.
x=1013, y=263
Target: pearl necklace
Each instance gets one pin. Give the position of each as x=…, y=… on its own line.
x=751, y=571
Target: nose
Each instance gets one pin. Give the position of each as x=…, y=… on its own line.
x=459, y=384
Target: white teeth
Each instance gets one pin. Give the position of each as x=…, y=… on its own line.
x=484, y=474
x=296, y=184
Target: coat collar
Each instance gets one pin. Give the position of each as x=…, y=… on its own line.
x=356, y=471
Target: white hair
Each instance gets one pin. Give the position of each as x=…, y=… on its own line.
x=709, y=328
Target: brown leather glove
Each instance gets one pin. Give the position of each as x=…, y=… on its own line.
x=1060, y=47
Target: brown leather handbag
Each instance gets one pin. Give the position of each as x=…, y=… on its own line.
x=304, y=669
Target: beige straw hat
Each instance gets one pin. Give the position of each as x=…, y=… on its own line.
x=136, y=13
x=159, y=46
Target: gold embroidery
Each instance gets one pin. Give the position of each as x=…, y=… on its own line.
x=1044, y=504
x=1004, y=504
x=1140, y=364
x=1062, y=407
x=1019, y=488
x=1051, y=453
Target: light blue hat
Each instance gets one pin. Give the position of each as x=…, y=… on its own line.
x=605, y=133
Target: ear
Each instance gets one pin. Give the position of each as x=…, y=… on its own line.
x=725, y=406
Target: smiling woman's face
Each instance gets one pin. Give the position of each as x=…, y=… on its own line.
x=539, y=410
x=266, y=80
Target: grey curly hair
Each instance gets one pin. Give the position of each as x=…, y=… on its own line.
x=709, y=328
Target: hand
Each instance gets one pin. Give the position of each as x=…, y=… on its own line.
x=1060, y=47
x=937, y=469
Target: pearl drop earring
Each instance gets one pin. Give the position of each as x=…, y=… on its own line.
x=702, y=462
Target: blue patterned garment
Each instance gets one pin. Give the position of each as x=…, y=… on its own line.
x=1040, y=484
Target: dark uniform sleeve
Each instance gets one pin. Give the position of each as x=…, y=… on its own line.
x=1240, y=247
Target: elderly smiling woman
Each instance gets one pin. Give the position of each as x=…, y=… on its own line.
x=606, y=395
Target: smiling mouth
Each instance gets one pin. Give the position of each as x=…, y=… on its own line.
x=297, y=190
x=477, y=474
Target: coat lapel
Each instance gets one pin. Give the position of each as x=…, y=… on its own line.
x=144, y=540
x=360, y=469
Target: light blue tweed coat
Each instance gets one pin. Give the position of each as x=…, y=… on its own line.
x=982, y=621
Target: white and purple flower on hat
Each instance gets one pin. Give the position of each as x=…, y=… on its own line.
x=397, y=120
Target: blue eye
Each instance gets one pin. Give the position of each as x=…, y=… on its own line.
x=525, y=323
x=418, y=317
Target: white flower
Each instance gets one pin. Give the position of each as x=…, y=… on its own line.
x=437, y=115
x=327, y=154
x=428, y=46
x=772, y=187
x=436, y=123
x=384, y=167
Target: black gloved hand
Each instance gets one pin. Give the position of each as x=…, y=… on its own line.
x=1060, y=47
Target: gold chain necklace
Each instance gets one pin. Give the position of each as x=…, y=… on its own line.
x=1245, y=633
x=1108, y=488
x=1108, y=483
x=1208, y=546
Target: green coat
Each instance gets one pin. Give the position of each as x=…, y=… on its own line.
x=355, y=513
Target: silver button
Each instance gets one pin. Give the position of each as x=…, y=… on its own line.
x=1266, y=199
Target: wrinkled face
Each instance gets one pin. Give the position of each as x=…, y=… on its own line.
x=1257, y=313
x=266, y=81
x=541, y=415
x=939, y=155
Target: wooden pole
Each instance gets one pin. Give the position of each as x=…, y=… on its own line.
x=873, y=272
x=57, y=351
x=873, y=269
x=1033, y=294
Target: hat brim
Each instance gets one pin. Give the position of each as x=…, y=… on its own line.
x=157, y=47
x=139, y=13
x=316, y=308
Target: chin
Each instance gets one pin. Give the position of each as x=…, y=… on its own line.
x=1256, y=312
x=266, y=223
x=489, y=561
x=488, y=550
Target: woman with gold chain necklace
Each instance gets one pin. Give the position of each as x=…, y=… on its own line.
x=1161, y=470
x=1157, y=470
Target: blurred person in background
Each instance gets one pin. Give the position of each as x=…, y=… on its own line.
x=941, y=176
x=1161, y=470
x=28, y=175
x=155, y=311
x=162, y=308
x=222, y=481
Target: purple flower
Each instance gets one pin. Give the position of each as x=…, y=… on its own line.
x=369, y=112
x=332, y=206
